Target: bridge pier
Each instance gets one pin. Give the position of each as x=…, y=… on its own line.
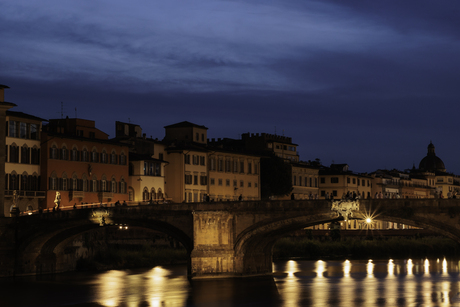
x=213, y=254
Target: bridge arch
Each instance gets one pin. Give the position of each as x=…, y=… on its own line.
x=50, y=250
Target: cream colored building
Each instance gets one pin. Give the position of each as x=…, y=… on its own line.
x=233, y=176
x=335, y=182
x=305, y=180
x=146, y=182
x=22, y=162
x=186, y=174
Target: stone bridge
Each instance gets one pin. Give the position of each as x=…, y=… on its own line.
x=223, y=239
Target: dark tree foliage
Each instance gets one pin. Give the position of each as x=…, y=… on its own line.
x=275, y=177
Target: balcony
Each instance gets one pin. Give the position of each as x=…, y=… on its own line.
x=105, y=195
x=26, y=194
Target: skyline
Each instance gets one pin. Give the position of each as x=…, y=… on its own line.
x=367, y=84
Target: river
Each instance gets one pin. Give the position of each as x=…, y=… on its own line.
x=416, y=282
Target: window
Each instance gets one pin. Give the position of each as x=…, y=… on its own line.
x=220, y=182
x=64, y=155
x=203, y=180
x=74, y=154
x=188, y=179
x=195, y=179
x=23, y=131
x=241, y=166
x=227, y=182
x=14, y=153
x=212, y=181
x=13, y=130
x=113, y=158
x=94, y=156
x=235, y=183
x=187, y=159
x=212, y=164
x=122, y=186
x=220, y=165
x=249, y=184
x=34, y=131
x=228, y=166
x=157, y=169
x=195, y=160
x=35, y=156
x=53, y=152
x=256, y=168
x=202, y=160
x=235, y=166
x=84, y=155
x=334, y=179
x=249, y=168
x=25, y=155
x=241, y=184
x=53, y=183
x=354, y=180
x=103, y=157
x=323, y=180
x=295, y=180
x=122, y=160
x=197, y=136
x=114, y=186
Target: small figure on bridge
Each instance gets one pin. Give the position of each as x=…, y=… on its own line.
x=240, y=198
x=57, y=200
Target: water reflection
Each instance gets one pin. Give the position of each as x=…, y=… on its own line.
x=156, y=287
x=411, y=282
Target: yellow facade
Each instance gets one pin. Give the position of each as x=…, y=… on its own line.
x=186, y=175
x=22, y=162
x=233, y=176
x=304, y=182
x=336, y=185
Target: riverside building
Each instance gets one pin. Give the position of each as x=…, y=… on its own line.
x=82, y=164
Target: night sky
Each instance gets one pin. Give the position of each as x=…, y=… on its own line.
x=367, y=83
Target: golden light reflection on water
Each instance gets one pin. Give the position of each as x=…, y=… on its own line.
x=147, y=288
x=411, y=282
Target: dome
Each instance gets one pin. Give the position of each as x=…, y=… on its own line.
x=431, y=162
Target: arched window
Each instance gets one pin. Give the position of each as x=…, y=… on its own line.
x=113, y=157
x=113, y=186
x=64, y=185
x=160, y=194
x=53, y=152
x=94, y=184
x=122, y=159
x=104, y=184
x=145, y=194
x=14, y=153
x=104, y=156
x=74, y=155
x=64, y=153
x=74, y=182
x=84, y=155
x=25, y=154
x=84, y=181
x=35, y=155
x=122, y=186
x=53, y=181
x=153, y=195
x=94, y=156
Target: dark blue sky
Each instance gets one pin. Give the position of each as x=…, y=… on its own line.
x=368, y=83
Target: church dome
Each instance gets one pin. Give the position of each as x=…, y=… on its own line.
x=431, y=162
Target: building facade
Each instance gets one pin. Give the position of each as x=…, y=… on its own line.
x=79, y=163
x=22, y=162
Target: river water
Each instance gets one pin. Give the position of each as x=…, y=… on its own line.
x=412, y=282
